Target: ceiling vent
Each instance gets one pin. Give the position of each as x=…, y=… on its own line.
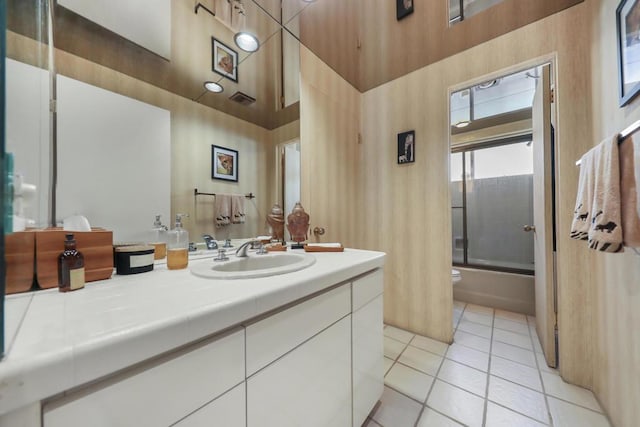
x=242, y=98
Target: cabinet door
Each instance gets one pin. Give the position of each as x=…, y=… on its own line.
x=368, y=375
x=157, y=394
x=228, y=410
x=310, y=386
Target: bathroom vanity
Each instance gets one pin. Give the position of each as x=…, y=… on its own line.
x=169, y=348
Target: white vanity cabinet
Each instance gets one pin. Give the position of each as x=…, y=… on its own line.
x=158, y=393
x=313, y=362
x=367, y=345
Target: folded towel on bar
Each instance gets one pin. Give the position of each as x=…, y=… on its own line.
x=584, y=200
x=630, y=191
x=605, y=230
x=222, y=210
x=237, y=208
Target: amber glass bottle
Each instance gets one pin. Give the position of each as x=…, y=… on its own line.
x=70, y=267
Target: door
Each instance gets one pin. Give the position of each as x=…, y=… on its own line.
x=543, y=216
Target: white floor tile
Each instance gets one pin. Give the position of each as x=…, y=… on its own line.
x=565, y=414
x=387, y=364
x=431, y=418
x=475, y=328
x=408, y=381
x=536, y=344
x=555, y=386
x=431, y=345
x=542, y=364
x=515, y=372
x=512, y=338
x=370, y=423
x=518, y=398
x=478, y=318
x=473, y=341
x=396, y=410
x=487, y=311
x=498, y=416
x=458, y=404
x=421, y=360
x=398, y=334
x=510, y=315
x=510, y=325
x=392, y=348
x=468, y=356
x=464, y=377
x=516, y=354
x=459, y=305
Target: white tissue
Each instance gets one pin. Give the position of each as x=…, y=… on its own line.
x=76, y=223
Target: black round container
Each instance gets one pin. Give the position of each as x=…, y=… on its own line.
x=133, y=259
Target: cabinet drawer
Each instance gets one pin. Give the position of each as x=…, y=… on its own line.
x=274, y=336
x=367, y=288
x=157, y=394
x=229, y=410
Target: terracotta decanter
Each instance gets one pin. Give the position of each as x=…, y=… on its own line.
x=298, y=223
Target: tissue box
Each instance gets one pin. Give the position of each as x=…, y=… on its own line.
x=96, y=246
x=20, y=258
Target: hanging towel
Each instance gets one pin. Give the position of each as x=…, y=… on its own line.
x=222, y=210
x=237, y=209
x=605, y=230
x=630, y=191
x=584, y=199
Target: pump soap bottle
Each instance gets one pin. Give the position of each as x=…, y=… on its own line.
x=158, y=239
x=70, y=267
x=178, y=246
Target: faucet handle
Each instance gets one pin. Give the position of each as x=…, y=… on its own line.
x=222, y=256
x=262, y=249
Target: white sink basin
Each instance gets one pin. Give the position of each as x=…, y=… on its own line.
x=253, y=266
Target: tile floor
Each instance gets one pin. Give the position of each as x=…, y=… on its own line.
x=493, y=374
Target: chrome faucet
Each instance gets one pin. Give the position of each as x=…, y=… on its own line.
x=242, y=250
x=210, y=241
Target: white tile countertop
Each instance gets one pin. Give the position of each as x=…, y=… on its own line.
x=56, y=341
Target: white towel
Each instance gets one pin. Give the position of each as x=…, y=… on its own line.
x=222, y=210
x=605, y=231
x=630, y=191
x=237, y=208
x=584, y=199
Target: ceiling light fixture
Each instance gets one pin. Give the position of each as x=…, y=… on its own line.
x=490, y=83
x=462, y=124
x=246, y=41
x=213, y=87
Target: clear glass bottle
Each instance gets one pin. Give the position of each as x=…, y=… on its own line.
x=70, y=267
x=158, y=239
x=178, y=246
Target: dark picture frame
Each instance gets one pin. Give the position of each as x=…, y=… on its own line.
x=404, y=8
x=224, y=163
x=407, y=147
x=224, y=60
x=628, y=34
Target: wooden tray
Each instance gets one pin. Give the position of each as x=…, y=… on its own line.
x=308, y=248
x=20, y=261
x=96, y=246
x=276, y=247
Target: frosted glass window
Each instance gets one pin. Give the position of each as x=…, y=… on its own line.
x=460, y=106
x=510, y=93
x=469, y=8
x=505, y=160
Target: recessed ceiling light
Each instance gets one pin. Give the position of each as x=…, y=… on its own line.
x=308, y=1
x=462, y=124
x=247, y=41
x=490, y=83
x=213, y=87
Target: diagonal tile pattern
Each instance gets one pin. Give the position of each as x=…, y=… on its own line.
x=493, y=375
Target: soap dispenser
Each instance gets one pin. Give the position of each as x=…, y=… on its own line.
x=158, y=239
x=178, y=245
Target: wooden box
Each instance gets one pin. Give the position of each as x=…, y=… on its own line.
x=96, y=246
x=20, y=261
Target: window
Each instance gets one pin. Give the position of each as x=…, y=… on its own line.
x=492, y=199
x=460, y=10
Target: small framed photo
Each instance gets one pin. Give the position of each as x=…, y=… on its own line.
x=406, y=147
x=628, y=32
x=225, y=60
x=224, y=163
x=404, y=8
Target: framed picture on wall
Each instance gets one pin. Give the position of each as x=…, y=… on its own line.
x=628, y=32
x=224, y=163
x=406, y=147
x=404, y=8
x=225, y=60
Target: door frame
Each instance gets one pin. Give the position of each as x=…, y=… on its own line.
x=551, y=59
